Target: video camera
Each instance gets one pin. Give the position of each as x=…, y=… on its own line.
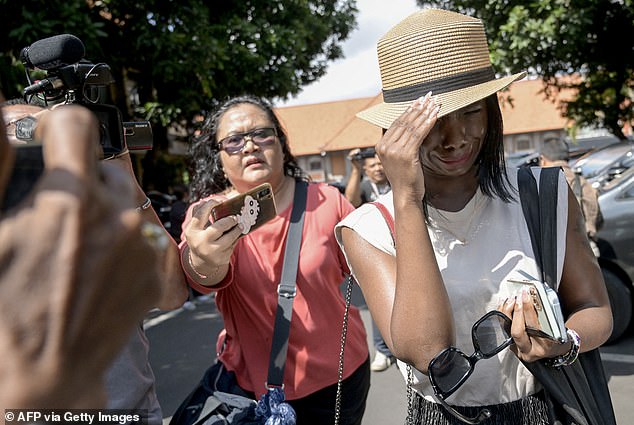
x=69, y=80
x=72, y=80
x=363, y=154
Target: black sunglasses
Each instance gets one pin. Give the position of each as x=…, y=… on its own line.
x=260, y=136
x=450, y=368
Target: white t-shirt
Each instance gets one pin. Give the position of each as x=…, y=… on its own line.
x=477, y=250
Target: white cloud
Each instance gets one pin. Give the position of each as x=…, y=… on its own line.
x=357, y=75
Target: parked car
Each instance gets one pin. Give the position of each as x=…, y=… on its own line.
x=616, y=244
x=521, y=159
x=602, y=165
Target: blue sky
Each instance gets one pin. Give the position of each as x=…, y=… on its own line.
x=357, y=74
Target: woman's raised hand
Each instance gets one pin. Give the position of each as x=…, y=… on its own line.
x=400, y=146
x=210, y=244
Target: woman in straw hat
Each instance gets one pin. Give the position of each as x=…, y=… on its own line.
x=459, y=232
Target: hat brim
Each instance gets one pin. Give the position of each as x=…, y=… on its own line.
x=384, y=114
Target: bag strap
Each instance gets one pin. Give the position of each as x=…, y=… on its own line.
x=540, y=212
x=287, y=289
x=344, y=331
x=387, y=216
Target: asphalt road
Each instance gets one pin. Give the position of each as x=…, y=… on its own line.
x=182, y=347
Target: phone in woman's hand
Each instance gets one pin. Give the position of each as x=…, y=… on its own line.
x=253, y=208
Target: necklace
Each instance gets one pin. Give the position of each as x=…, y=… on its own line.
x=459, y=224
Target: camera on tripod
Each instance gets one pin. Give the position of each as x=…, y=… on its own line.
x=71, y=79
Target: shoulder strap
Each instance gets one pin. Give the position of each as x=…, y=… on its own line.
x=540, y=213
x=287, y=290
x=388, y=218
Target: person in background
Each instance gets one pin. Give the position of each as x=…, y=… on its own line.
x=81, y=307
x=243, y=145
x=178, y=210
x=130, y=379
x=459, y=233
x=366, y=183
x=367, y=179
x=555, y=153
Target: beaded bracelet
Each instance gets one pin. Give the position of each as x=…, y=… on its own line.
x=571, y=356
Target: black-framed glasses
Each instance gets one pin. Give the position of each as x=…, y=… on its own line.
x=260, y=136
x=450, y=368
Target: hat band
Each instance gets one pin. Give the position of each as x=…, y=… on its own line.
x=439, y=86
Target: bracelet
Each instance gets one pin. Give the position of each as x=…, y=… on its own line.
x=571, y=356
x=191, y=265
x=146, y=204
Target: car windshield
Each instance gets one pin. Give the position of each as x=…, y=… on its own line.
x=597, y=162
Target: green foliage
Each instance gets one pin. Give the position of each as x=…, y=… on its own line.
x=590, y=39
x=174, y=59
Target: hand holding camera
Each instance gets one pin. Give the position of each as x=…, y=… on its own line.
x=69, y=252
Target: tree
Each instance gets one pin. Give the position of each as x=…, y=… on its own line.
x=584, y=45
x=173, y=60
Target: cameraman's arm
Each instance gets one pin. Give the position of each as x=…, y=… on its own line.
x=353, y=188
x=173, y=285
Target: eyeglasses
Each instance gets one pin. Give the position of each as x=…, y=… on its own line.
x=260, y=136
x=450, y=368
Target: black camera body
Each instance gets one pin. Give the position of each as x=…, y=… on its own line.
x=363, y=154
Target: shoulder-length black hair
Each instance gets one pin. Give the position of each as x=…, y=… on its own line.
x=207, y=175
x=492, y=176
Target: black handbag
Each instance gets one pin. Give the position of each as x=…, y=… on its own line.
x=577, y=394
x=217, y=399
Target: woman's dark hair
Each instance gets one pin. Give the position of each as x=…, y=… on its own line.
x=492, y=176
x=207, y=175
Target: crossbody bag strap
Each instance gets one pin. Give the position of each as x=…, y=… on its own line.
x=540, y=213
x=548, y=185
x=287, y=288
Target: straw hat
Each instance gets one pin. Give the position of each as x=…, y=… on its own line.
x=439, y=51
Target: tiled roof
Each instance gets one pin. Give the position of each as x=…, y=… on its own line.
x=529, y=110
x=329, y=126
x=333, y=126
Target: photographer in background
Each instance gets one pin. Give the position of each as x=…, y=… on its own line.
x=366, y=183
x=555, y=153
x=367, y=180
x=68, y=253
x=129, y=380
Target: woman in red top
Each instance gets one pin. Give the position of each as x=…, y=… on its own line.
x=242, y=146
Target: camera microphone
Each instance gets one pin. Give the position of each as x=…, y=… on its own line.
x=53, y=52
x=51, y=83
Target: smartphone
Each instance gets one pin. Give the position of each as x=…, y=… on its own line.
x=546, y=302
x=253, y=208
